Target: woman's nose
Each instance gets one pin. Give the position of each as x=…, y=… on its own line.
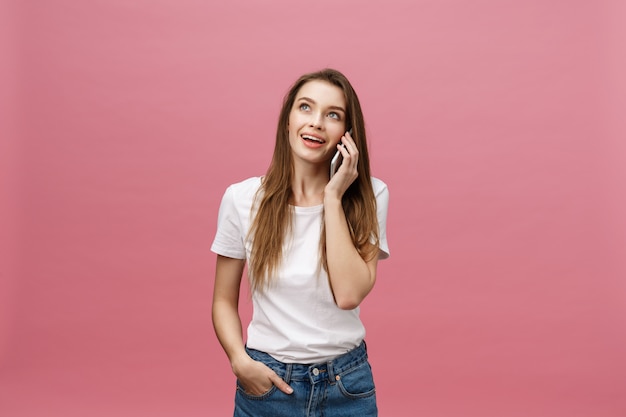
x=317, y=121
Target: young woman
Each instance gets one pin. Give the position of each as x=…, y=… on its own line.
x=312, y=244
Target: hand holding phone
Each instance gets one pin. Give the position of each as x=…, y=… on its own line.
x=335, y=163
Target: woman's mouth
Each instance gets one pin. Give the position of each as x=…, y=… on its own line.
x=312, y=141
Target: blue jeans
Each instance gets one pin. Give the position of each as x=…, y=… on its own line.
x=342, y=387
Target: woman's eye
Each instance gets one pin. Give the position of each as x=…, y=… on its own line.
x=334, y=115
x=305, y=107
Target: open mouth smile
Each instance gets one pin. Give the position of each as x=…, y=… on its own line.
x=312, y=139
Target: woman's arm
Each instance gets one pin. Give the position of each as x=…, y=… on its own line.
x=254, y=376
x=351, y=277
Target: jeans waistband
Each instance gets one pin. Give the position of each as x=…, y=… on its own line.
x=330, y=370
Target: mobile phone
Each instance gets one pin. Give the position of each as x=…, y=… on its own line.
x=336, y=161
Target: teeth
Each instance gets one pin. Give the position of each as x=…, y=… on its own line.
x=312, y=138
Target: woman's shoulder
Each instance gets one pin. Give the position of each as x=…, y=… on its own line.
x=248, y=183
x=244, y=190
x=378, y=185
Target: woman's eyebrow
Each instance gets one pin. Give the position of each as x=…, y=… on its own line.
x=330, y=107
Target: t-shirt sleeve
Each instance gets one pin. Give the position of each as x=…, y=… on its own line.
x=229, y=239
x=382, y=204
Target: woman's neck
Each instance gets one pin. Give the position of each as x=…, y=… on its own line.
x=307, y=186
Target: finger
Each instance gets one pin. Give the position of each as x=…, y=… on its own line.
x=350, y=146
x=343, y=149
x=350, y=156
x=281, y=385
x=347, y=137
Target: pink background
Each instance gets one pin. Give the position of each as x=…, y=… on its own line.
x=498, y=125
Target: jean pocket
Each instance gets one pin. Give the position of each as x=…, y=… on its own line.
x=357, y=382
x=241, y=390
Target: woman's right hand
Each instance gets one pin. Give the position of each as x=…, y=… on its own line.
x=256, y=378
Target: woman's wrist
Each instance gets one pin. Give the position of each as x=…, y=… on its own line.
x=238, y=361
x=332, y=200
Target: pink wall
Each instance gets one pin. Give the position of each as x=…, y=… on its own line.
x=9, y=200
x=498, y=126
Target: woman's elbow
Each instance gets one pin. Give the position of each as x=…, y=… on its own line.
x=347, y=304
x=350, y=296
x=349, y=301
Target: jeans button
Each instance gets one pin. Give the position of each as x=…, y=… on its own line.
x=316, y=371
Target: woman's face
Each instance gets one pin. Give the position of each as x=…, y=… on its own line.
x=317, y=121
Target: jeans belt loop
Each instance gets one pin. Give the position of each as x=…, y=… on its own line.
x=288, y=369
x=331, y=372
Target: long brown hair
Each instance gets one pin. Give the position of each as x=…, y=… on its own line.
x=274, y=215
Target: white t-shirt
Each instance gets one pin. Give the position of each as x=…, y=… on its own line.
x=295, y=320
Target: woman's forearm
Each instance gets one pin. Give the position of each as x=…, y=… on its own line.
x=228, y=329
x=351, y=277
x=225, y=313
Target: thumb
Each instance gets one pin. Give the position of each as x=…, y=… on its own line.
x=280, y=384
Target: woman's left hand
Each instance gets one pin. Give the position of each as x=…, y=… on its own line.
x=347, y=172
